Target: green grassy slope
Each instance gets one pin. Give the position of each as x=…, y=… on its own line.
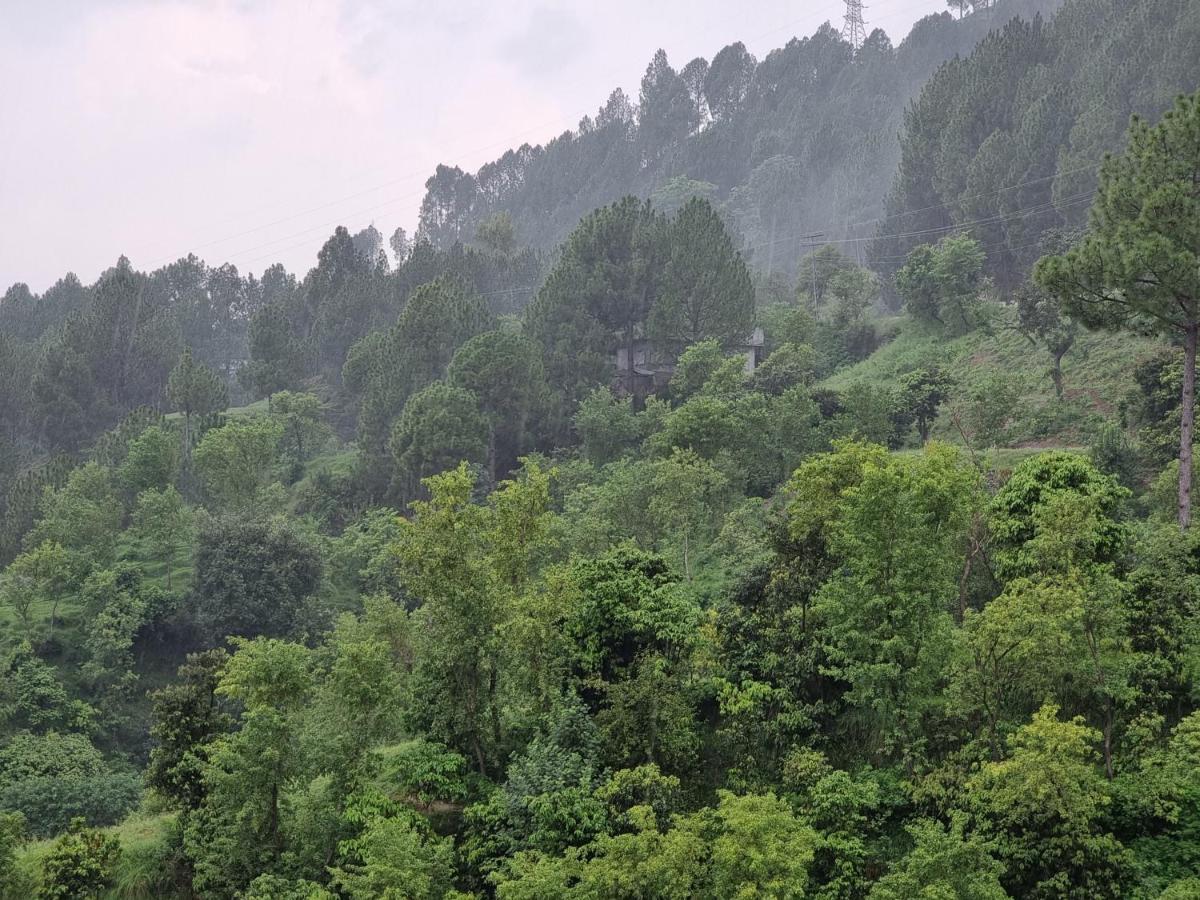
x=1097, y=372
x=140, y=866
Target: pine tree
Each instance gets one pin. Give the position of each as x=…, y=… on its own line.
x=194, y=390
x=1138, y=266
x=708, y=293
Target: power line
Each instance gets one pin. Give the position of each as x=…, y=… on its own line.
x=942, y=204
x=509, y=143
x=1043, y=206
x=506, y=143
x=304, y=233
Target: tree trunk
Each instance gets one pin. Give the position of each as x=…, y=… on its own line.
x=275, y=836
x=185, y=454
x=491, y=451
x=1109, y=773
x=477, y=746
x=493, y=689
x=771, y=244
x=629, y=355
x=1056, y=375
x=687, y=566
x=1187, y=425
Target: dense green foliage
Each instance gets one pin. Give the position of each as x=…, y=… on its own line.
x=690, y=577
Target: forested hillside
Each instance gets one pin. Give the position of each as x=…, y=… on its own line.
x=801, y=141
x=1008, y=140
x=587, y=547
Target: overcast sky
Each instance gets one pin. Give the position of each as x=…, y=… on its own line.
x=245, y=131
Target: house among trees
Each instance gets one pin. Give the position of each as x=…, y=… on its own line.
x=654, y=363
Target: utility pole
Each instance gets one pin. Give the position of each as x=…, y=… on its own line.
x=812, y=240
x=854, y=28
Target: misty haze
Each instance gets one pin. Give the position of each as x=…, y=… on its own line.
x=558, y=450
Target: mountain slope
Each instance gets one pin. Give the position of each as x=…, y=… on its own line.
x=802, y=140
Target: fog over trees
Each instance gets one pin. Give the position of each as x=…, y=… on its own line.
x=778, y=486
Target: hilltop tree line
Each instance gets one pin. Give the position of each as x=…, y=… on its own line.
x=384, y=582
x=803, y=140
x=1009, y=139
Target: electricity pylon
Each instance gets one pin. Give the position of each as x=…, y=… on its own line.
x=854, y=29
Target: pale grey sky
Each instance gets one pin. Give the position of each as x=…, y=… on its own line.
x=245, y=131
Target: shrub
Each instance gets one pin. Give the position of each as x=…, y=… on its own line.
x=50, y=804
x=80, y=864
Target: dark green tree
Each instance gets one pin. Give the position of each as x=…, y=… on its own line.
x=187, y=717
x=922, y=392
x=608, y=279
x=194, y=390
x=503, y=369
x=440, y=427
x=708, y=294
x=1138, y=265
x=253, y=577
x=277, y=356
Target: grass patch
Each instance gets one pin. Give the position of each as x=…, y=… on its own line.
x=140, y=867
x=1097, y=373
x=154, y=570
x=250, y=410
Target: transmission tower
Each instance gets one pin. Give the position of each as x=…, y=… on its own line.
x=854, y=29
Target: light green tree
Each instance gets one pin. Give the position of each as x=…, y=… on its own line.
x=301, y=419
x=696, y=365
x=152, y=461
x=80, y=864
x=37, y=578
x=83, y=515
x=449, y=560
x=116, y=605
x=1044, y=808
x=897, y=529
x=607, y=425
x=745, y=846
x=237, y=460
x=943, y=863
x=238, y=832
x=940, y=282
x=688, y=499
x=395, y=854
x=163, y=520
